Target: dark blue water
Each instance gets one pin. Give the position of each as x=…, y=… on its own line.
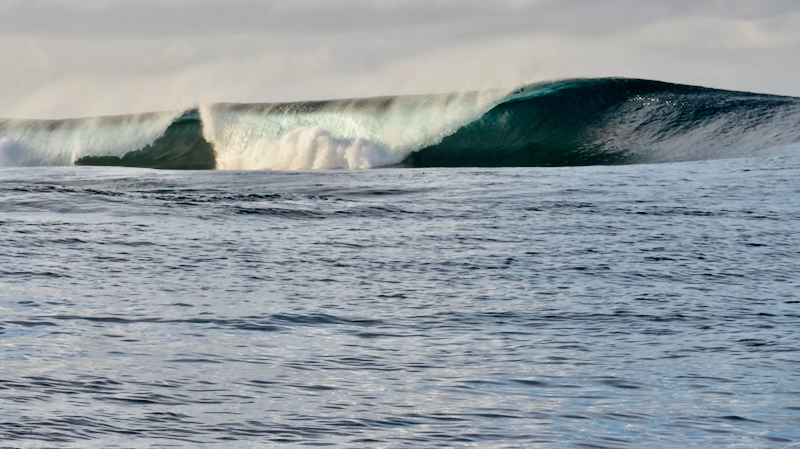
x=586, y=307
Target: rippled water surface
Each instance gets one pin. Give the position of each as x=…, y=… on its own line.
x=628, y=306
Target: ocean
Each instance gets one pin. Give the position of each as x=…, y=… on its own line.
x=581, y=264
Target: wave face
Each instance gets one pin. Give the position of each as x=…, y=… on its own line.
x=571, y=122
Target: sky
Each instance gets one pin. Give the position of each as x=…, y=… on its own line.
x=74, y=58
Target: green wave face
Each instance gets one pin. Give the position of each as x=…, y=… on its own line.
x=617, y=121
x=570, y=122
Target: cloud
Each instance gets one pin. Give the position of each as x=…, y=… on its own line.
x=82, y=57
x=167, y=18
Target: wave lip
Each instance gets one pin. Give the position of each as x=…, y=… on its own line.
x=568, y=122
x=62, y=142
x=181, y=147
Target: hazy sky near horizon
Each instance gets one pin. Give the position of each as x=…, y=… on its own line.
x=64, y=58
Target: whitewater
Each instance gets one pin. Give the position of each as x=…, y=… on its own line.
x=597, y=263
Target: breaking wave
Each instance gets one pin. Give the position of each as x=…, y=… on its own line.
x=571, y=122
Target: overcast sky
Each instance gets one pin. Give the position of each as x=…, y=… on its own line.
x=62, y=58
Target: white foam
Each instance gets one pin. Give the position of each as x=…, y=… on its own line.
x=311, y=148
x=349, y=134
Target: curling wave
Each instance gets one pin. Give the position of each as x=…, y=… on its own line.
x=571, y=122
